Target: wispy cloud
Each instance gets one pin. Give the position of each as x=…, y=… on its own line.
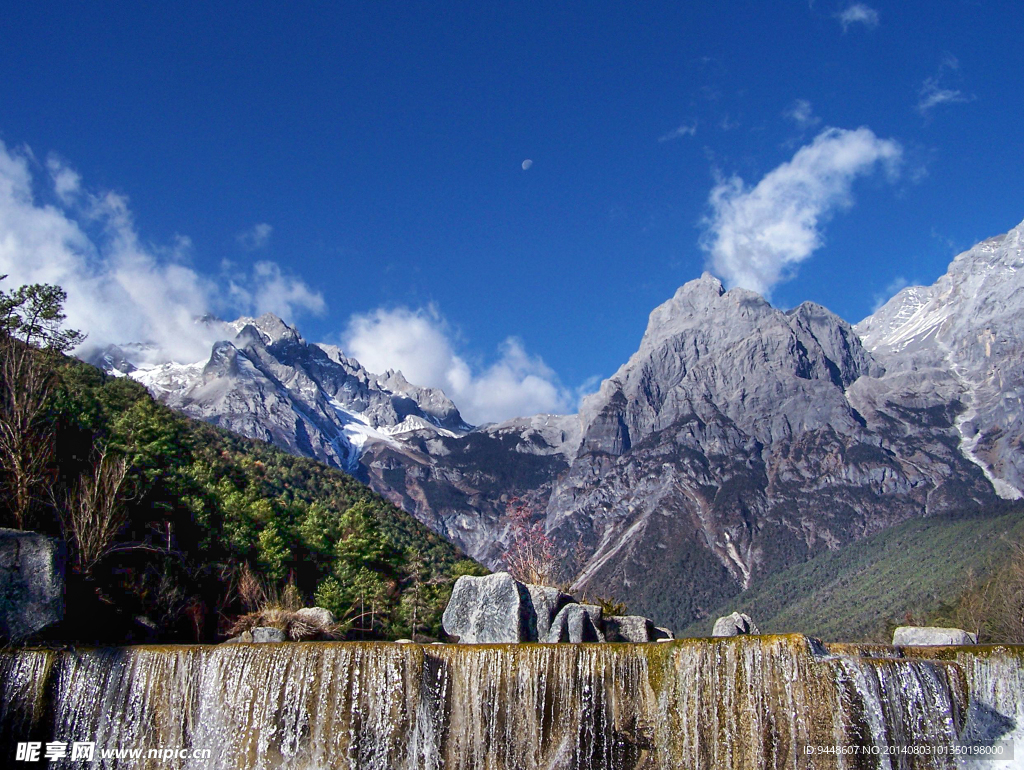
x=121, y=289
x=886, y=294
x=256, y=237
x=686, y=129
x=858, y=13
x=755, y=236
x=802, y=114
x=420, y=344
x=938, y=89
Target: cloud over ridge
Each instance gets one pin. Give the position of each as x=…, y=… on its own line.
x=120, y=289
x=755, y=236
x=420, y=344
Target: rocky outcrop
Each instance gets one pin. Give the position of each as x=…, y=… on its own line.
x=931, y=636
x=574, y=624
x=736, y=624
x=499, y=609
x=629, y=628
x=962, y=338
x=264, y=634
x=546, y=603
x=263, y=380
x=489, y=610
x=31, y=583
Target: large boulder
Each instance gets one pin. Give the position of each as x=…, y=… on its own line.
x=31, y=583
x=574, y=623
x=628, y=628
x=494, y=609
x=545, y=603
x=321, y=617
x=736, y=624
x=928, y=636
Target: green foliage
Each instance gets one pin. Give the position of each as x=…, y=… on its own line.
x=468, y=567
x=914, y=572
x=204, y=506
x=273, y=553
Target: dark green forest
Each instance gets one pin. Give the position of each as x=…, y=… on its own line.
x=175, y=528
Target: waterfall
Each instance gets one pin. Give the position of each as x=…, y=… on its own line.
x=744, y=702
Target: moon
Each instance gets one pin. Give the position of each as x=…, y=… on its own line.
x=526, y=164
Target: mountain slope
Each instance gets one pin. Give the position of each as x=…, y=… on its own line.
x=738, y=441
x=859, y=593
x=175, y=526
x=963, y=337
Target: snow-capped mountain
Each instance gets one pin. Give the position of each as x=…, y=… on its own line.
x=266, y=382
x=739, y=439
x=963, y=337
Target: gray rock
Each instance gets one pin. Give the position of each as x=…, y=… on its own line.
x=31, y=583
x=243, y=638
x=546, y=602
x=963, y=338
x=628, y=628
x=663, y=634
x=931, y=636
x=574, y=624
x=319, y=617
x=263, y=634
x=737, y=624
x=595, y=612
x=489, y=610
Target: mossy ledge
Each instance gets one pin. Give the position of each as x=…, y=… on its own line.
x=742, y=702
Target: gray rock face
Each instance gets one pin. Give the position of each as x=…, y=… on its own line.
x=488, y=610
x=628, y=628
x=738, y=440
x=929, y=636
x=31, y=583
x=266, y=382
x=498, y=609
x=546, y=603
x=963, y=337
x=264, y=634
x=574, y=624
x=736, y=624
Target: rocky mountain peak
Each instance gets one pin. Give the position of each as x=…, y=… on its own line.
x=710, y=352
x=963, y=338
x=271, y=327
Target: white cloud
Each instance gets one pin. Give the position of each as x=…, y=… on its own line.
x=801, y=113
x=686, y=129
x=119, y=288
x=419, y=344
x=858, y=13
x=266, y=289
x=755, y=236
x=256, y=237
x=66, y=181
x=936, y=90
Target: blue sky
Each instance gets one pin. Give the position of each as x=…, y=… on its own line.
x=359, y=167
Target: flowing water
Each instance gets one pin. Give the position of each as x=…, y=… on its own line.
x=746, y=702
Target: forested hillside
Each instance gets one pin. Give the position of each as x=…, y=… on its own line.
x=175, y=528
